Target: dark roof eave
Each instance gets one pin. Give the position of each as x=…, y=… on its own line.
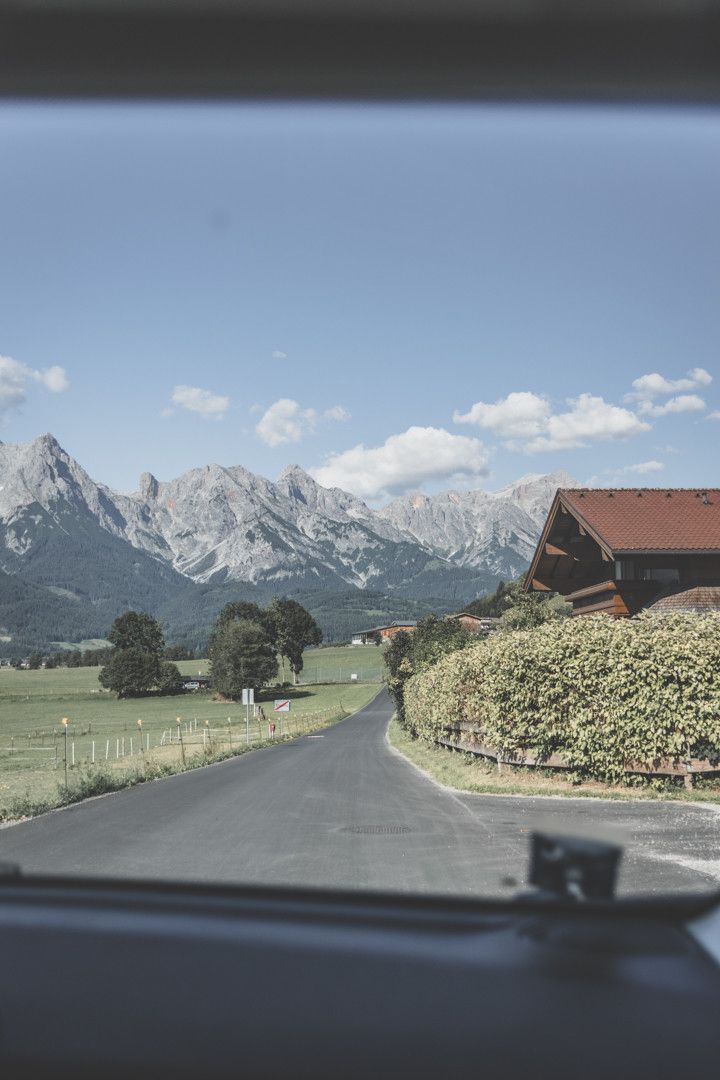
x=667, y=551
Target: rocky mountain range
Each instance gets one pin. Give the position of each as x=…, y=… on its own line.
x=181, y=548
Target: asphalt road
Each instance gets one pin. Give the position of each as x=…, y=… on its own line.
x=341, y=808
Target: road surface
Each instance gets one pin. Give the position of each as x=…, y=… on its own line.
x=341, y=808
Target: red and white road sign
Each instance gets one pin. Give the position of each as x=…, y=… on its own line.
x=282, y=706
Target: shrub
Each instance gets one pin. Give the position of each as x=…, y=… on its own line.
x=409, y=652
x=607, y=694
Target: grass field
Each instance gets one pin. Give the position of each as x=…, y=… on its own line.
x=337, y=663
x=103, y=728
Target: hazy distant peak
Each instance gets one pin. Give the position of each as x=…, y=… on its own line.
x=149, y=486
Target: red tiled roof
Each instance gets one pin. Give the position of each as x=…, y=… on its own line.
x=701, y=598
x=649, y=519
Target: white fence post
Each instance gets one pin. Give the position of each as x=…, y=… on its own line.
x=93, y=752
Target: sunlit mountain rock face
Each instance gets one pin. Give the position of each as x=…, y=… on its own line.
x=226, y=529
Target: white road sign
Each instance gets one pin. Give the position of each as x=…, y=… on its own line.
x=248, y=697
x=282, y=706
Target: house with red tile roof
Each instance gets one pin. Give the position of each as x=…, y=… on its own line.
x=621, y=550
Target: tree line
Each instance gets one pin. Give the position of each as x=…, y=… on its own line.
x=245, y=642
x=75, y=658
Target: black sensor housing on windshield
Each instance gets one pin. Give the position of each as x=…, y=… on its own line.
x=573, y=868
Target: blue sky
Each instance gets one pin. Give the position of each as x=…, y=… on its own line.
x=392, y=297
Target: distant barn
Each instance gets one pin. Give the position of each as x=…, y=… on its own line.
x=476, y=624
x=384, y=633
x=618, y=551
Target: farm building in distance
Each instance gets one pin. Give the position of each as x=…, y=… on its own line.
x=381, y=633
x=622, y=550
x=476, y=624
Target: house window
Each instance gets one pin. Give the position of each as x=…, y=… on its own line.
x=668, y=576
x=624, y=570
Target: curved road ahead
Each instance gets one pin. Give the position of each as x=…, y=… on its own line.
x=343, y=809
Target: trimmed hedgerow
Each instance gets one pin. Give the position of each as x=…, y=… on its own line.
x=608, y=694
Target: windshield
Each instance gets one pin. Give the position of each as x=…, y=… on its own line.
x=357, y=514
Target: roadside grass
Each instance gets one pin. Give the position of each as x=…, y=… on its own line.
x=90, y=782
x=466, y=772
x=32, y=737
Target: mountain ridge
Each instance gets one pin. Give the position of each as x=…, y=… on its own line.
x=217, y=530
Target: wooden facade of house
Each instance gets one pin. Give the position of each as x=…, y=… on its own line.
x=618, y=551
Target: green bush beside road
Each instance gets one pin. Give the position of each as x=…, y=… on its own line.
x=606, y=694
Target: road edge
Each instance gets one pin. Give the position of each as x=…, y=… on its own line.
x=714, y=807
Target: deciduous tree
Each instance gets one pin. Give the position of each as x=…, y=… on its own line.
x=137, y=630
x=295, y=629
x=241, y=656
x=130, y=672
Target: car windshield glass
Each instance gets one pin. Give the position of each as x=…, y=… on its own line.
x=357, y=514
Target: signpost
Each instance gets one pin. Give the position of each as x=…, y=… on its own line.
x=248, y=699
x=65, y=725
x=281, y=706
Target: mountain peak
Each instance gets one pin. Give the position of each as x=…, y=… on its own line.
x=149, y=486
x=298, y=484
x=295, y=471
x=48, y=442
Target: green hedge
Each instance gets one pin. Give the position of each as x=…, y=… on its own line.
x=603, y=692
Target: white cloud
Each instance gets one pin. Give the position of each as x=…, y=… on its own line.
x=613, y=477
x=681, y=404
x=278, y=354
x=15, y=377
x=643, y=467
x=53, y=379
x=204, y=402
x=526, y=421
x=337, y=412
x=589, y=419
x=713, y=415
x=519, y=415
x=656, y=385
x=649, y=387
x=285, y=422
x=404, y=461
